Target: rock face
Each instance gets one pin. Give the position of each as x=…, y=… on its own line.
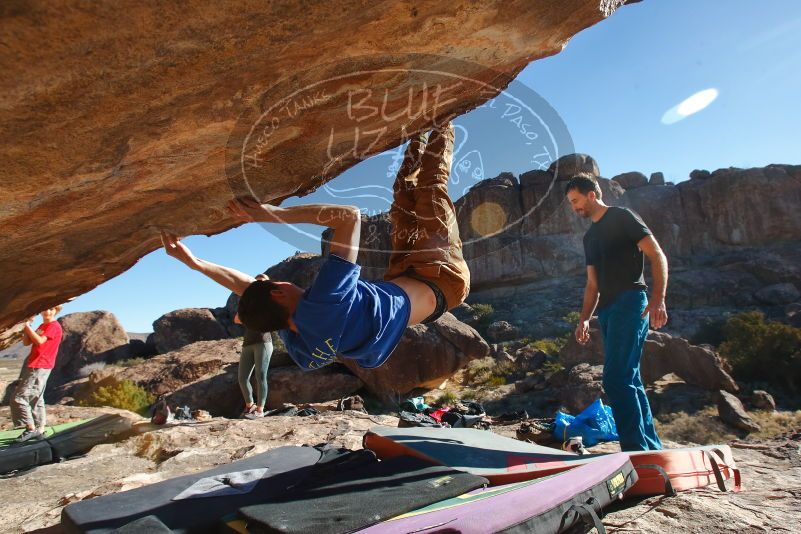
x=89, y=338
x=733, y=413
x=631, y=180
x=141, y=345
x=300, y=269
x=502, y=331
x=425, y=357
x=778, y=294
x=204, y=375
x=292, y=385
x=699, y=366
x=177, y=328
x=116, y=126
x=568, y=166
x=662, y=354
x=11, y=336
x=762, y=400
x=584, y=385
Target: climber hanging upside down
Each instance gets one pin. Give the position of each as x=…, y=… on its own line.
x=339, y=313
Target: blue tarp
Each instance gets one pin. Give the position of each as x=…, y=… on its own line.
x=595, y=424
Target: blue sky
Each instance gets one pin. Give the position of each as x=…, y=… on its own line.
x=611, y=87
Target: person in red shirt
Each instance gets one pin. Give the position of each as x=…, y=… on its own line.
x=27, y=406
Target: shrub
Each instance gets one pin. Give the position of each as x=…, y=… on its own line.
x=448, y=398
x=572, y=318
x=489, y=371
x=482, y=310
x=551, y=367
x=763, y=350
x=469, y=395
x=484, y=314
x=116, y=393
x=496, y=380
x=550, y=346
x=711, y=332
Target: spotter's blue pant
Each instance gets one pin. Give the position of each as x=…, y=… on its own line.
x=624, y=332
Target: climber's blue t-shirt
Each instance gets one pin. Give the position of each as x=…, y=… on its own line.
x=341, y=314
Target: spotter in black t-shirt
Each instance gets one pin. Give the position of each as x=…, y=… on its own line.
x=611, y=246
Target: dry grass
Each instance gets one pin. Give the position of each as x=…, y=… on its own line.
x=488, y=372
x=776, y=423
x=131, y=362
x=705, y=427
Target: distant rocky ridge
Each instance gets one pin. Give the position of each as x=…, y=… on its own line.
x=732, y=237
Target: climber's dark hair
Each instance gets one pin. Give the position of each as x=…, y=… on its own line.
x=584, y=183
x=259, y=311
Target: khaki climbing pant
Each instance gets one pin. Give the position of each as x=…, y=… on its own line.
x=27, y=406
x=425, y=233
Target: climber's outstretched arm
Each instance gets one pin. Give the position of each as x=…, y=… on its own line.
x=344, y=220
x=225, y=276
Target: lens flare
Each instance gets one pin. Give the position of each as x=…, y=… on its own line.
x=690, y=106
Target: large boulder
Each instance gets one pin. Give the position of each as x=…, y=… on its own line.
x=300, y=269
x=529, y=359
x=177, y=328
x=662, y=354
x=90, y=340
x=225, y=315
x=568, y=166
x=141, y=345
x=700, y=366
x=732, y=412
x=291, y=384
x=489, y=215
x=742, y=208
x=762, y=400
x=116, y=127
x=502, y=331
x=426, y=356
x=469, y=316
x=631, y=180
x=584, y=386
